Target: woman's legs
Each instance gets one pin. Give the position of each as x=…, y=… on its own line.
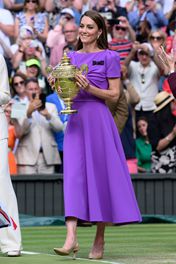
x=71, y=237
x=98, y=245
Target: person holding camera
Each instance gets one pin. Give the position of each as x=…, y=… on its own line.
x=37, y=149
x=123, y=37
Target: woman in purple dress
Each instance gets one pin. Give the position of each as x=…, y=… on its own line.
x=97, y=184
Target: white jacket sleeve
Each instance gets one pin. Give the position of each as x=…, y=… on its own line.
x=4, y=82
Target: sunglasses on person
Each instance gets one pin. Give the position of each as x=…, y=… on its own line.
x=143, y=53
x=31, y=1
x=120, y=28
x=18, y=83
x=158, y=38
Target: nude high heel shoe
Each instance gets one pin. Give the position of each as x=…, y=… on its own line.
x=96, y=253
x=65, y=252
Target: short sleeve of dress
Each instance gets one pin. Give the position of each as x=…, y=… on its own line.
x=112, y=64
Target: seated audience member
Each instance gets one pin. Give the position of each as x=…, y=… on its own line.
x=18, y=88
x=70, y=31
x=33, y=18
x=143, y=146
x=162, y=134
x=120, y=41
x=37, y=149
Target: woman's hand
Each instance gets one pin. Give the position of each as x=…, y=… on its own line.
x=167, y=60
x=82, y=82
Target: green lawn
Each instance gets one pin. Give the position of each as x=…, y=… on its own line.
x=132, y=244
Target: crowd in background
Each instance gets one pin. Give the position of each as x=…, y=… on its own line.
x=35, y=33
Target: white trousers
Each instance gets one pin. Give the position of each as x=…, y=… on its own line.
x=10, y=238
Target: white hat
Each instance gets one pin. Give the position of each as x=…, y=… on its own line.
x=149, y=48
x=68, y=11
x=162, y=99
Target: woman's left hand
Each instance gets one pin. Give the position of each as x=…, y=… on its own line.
x=82, y=82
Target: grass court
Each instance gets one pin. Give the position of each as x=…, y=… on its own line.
x=131, y=244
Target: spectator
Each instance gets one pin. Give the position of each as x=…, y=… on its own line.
x=162, y=134
x=120, y=42
x=56, y=36
x=37, y=150
x=32, y=17
x=143, y=146
x=52, y=5
x=144, y=75
x=143, y=31
x=33, y=69
x=155, y=16
x=135, y=16
x=157, y=38
x=28, y=49
x=70, y=31
x=110, y=6
x=18, y=88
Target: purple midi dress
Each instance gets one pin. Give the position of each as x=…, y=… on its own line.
x=97, y=184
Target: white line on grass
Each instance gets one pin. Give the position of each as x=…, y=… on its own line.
x=37, y=253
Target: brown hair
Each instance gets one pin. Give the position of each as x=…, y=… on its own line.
x=102, y=41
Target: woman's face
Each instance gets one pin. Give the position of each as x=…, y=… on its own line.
x=19, y=85
x=142, y=127
x=88, y=31
x=156, y=39
x=31, y=4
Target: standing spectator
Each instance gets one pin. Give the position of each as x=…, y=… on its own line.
x=144, y=75
x=120, y=41
x=10, y=238
x=37, y=150
x=32, y=17
x=155, y=16
x=135, y=16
